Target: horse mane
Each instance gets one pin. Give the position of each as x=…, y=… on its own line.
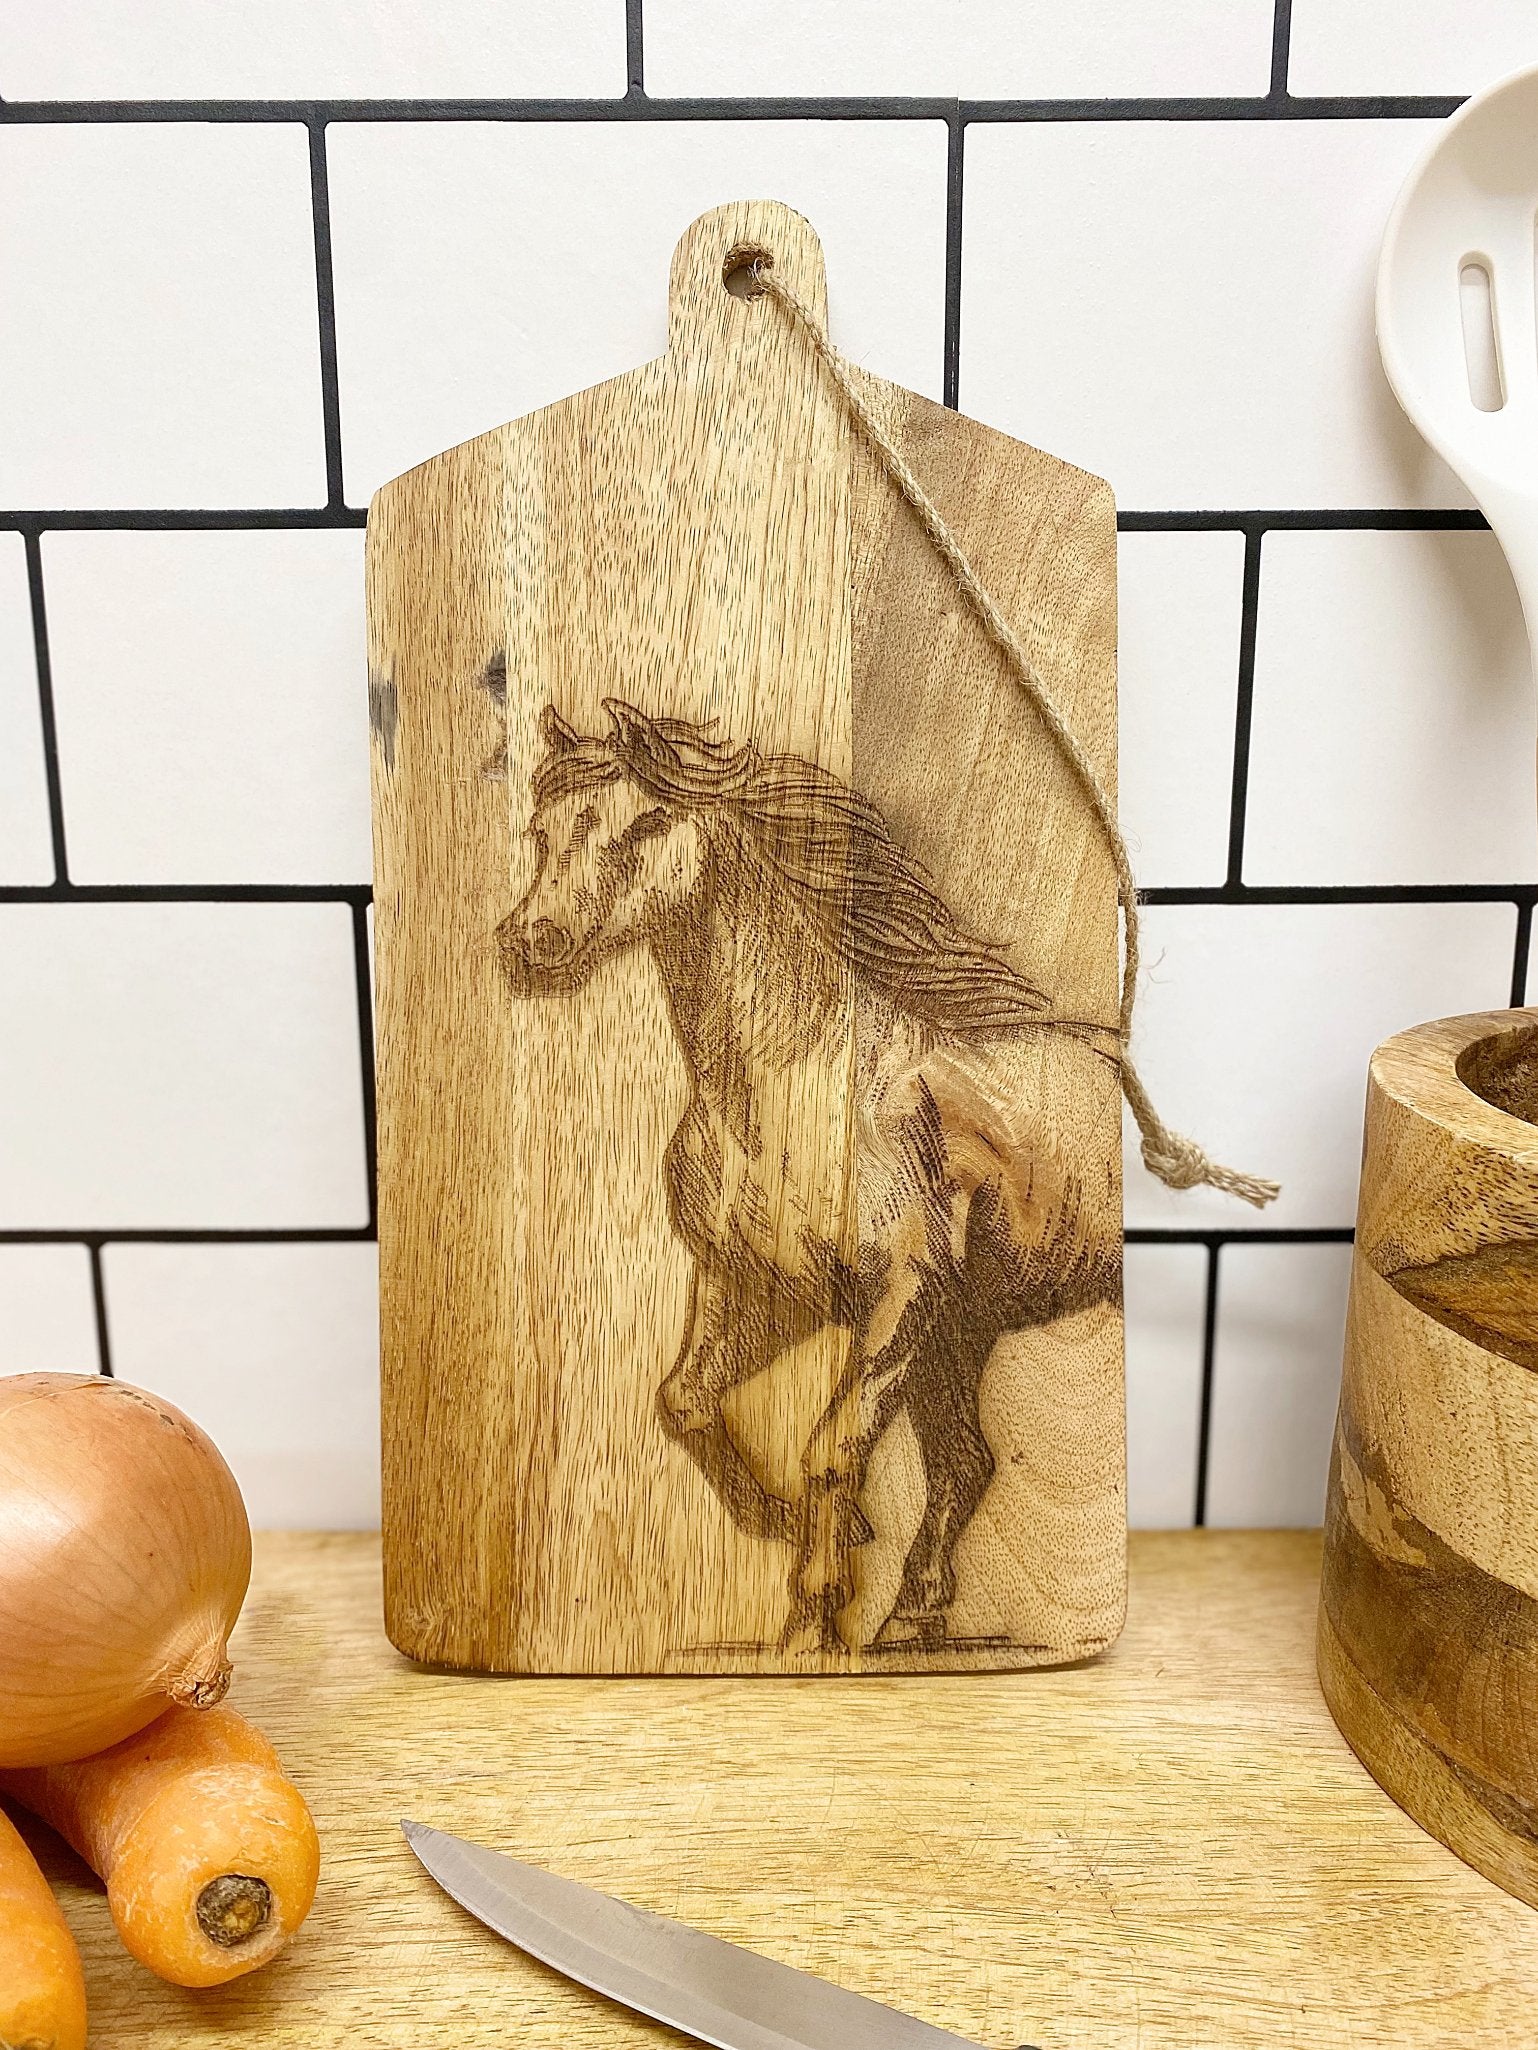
x=873, y=906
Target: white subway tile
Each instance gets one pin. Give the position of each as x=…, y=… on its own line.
x=1255, y=1025
x=1166, y=1304
x=1186, y=307
x=1276, y=1383
x=158, y=338
x=179, y=1065
x=1180, y=599
x=225, y=738
x=1393, y=738
x=485, y=270
x=989, y=49
x=47, y=1313
x=26, y=844
x=274, y=1351
x=310, y=49
x=1408, y=46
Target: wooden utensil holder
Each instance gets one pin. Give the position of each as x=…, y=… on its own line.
x=1428, y=1622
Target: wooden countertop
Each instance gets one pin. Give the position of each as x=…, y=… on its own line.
x=1171, y=1849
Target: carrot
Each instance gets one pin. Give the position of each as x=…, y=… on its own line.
x=208, y=1851
x=42, y=1994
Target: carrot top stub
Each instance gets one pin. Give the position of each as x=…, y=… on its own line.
x=233, y=1908
x=216, y=1874
x=208, y=1850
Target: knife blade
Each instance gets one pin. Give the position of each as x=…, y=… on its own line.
x=712, y=1990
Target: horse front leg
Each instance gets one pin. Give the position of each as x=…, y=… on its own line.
x=724, y=1344
x=837, y=1458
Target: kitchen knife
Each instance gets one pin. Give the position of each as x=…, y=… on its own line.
x=711, y=1989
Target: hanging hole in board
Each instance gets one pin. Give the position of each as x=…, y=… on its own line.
x=1481, y=349
x=739, y=274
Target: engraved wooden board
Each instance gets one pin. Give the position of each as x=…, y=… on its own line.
x=750, y=1230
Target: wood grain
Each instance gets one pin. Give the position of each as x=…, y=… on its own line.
x=1428, y=1635
x=749, y=1121
x=1169, y=1849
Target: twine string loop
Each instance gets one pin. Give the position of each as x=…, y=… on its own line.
x=1177, y=1161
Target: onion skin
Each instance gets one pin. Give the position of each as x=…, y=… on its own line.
x=125, y=1554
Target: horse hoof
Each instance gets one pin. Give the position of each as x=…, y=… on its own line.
x=811, y=1629
x=906, y=1631
x=801, y=1636
x=804, y=1642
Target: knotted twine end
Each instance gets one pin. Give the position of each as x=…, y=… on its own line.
x=1178, y=1162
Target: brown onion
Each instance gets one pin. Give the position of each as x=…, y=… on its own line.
x=124, y=1559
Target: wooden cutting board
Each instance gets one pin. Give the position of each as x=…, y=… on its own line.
x=750, y=1230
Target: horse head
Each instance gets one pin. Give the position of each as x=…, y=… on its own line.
x=614, y=854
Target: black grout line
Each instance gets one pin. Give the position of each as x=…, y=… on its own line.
x=1344, y=893
x=635, y=50
x=45, y=709
x=849, y=107
x=954, y=165
x=185, y=893
x=365, y=984
x=99, y=1304
x=325, y=311
x=1240, y=1235
x=256, y=1235
x=1310, y=519
x=1244, y=703
x=1520, y=953
x=1357, y=107
x=1209, y=1360
x=1281, y=49
x=181, y=519
x=351, y=1234
x=1237, y=895
x=233, y=519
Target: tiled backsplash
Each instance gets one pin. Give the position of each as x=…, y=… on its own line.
x=258, y=259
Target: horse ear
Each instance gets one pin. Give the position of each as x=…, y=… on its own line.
x=559, y=738
x=633, y=731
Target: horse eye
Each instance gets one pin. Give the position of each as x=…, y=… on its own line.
x=651, y=825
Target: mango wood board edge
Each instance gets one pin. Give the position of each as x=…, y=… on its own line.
x=1170, y=1848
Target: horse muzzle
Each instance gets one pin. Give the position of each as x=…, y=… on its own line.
x=538, y=956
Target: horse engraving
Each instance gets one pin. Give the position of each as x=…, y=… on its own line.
x=817, y=984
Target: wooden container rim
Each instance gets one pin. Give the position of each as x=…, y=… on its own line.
x=1420, y=1070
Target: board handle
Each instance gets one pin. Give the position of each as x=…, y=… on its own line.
x=709, y=306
